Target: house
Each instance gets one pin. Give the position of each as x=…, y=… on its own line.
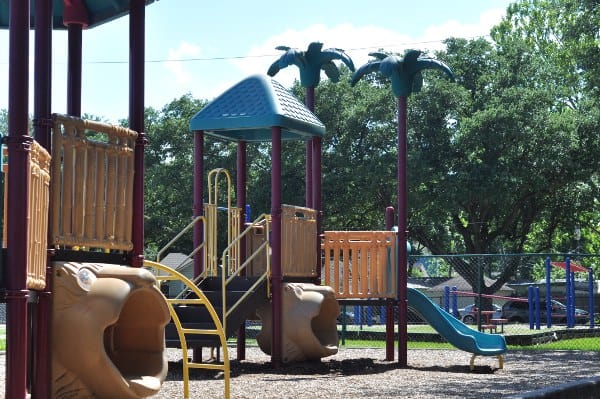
x=461, y=284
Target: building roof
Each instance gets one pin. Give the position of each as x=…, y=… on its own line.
x=461, y=284
x=249, y=110
x=98, y=11
x=176, y=260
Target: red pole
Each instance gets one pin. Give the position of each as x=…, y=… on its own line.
x=241, y=178
x=402, y=234
x=317, y=204
x=74, y=69
x=276, y=350
x=389, y=303
x=198, y=205
x=310, y=104
x=19, y=146
x=40, y=386
x=136, y=122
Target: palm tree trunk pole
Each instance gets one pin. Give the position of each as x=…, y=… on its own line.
x=310, y=104
x=402, y=233
x=276, y=275
x=19, y=146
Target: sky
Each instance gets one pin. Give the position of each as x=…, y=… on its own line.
x=205, y=47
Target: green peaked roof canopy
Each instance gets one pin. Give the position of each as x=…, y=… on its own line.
x=98, y=11
x=248, y=111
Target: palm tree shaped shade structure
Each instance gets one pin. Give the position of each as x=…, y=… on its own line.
x=406, y=78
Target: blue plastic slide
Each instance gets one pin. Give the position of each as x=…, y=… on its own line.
x=454, y=331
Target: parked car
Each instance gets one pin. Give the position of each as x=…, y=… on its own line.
x=468, y=315
x=518, y=312
x=350, y=318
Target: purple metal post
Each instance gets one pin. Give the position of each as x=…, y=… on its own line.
x=389, y=303
x=40, y=388
x=310, y=104
x=241, y=177
x=402, y=234
x=568, y=289
x=316, y=202
x=19, y=146
x=137, y=20
x=591, y=295
x=548, y=295
x=276, y=275
x=198, y=205
x=74, y=69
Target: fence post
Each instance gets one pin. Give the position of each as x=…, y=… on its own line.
x=447, y=298
x=453, y=302
x=548, y=294
x=537, y=307
x=530, y=306
x=591, y=296
x=568, y=290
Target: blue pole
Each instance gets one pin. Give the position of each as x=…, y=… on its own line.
x=572, y=285
x=447, y=298
x=568, y=289
x=248, y=213
x=537, y=308
x=530, y=306
x=548, y=294
x=357, y=318
x=453, y=302
x=369, y=315
x=591, y=295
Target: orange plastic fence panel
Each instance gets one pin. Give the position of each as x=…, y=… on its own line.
x=299, y=241
x=92, y=184
x=360, y=264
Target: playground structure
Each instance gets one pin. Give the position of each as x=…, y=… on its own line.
x=91, y=192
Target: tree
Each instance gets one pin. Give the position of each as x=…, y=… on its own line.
x=169, y=171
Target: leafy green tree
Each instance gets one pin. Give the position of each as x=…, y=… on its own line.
x=3, y=122
x=169, y=171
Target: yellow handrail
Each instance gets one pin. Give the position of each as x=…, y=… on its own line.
x=226, y=280
x=180, y=234
x=181, y=331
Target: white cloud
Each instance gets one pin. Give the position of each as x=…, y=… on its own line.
x=176, y=67
x=358, y=42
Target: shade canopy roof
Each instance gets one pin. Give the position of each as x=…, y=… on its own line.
x=99, y=11
x=249, y=110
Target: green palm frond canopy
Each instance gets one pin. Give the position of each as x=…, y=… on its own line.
x=310, y=63
x=404, y=72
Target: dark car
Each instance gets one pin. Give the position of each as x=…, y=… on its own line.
x=518, y=312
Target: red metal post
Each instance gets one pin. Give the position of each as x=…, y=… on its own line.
x=402, y=234
x=276, y=275
x=19, y=146
x=389, y=303
x=310, y=104
x=198, y=204
x=74, y=69
x=241, y=177
x=137, y=21
x=42, y=109
x=316, y=202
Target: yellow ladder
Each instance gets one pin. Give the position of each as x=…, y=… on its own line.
x=165, y=273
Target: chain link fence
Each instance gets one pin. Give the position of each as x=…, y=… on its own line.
x=526, y=297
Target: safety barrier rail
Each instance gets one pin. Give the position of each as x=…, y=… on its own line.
x=165, y=273
x=92, y=184
x=360, y=264
x=37, y=235
x=37, y=232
